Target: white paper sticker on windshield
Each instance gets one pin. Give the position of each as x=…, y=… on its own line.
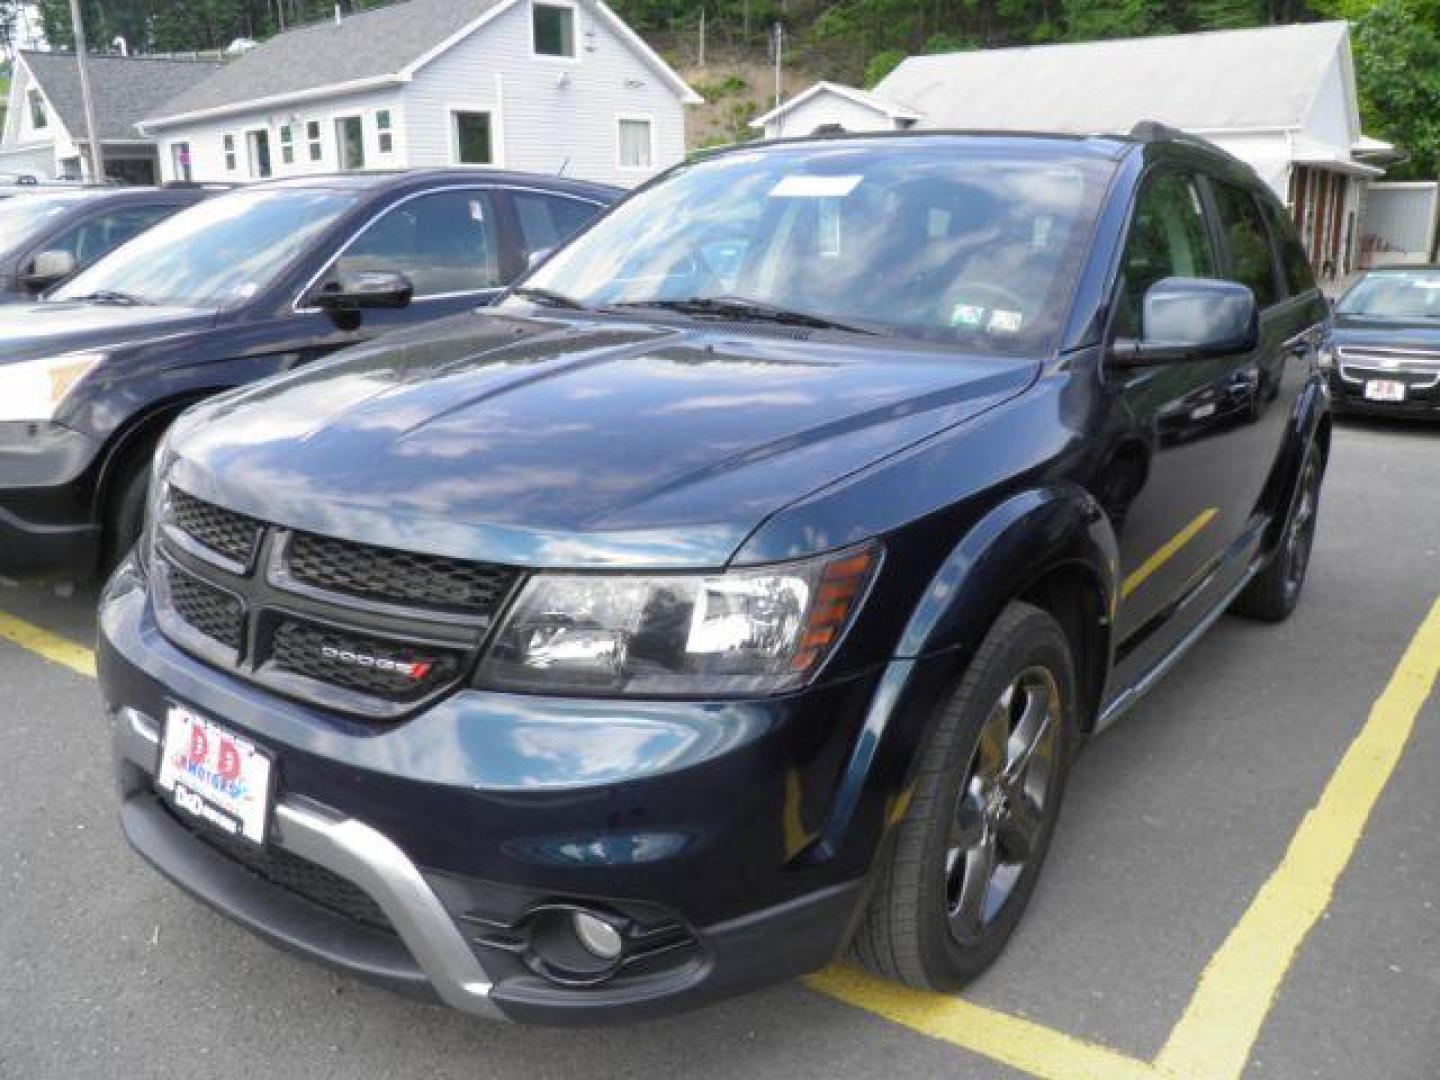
x=968, y=316
x=1005, y=322
x=815, y=187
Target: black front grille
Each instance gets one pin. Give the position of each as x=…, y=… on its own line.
x=400, y=577
x=224, y=532
x=385, y=669
x=211, y=611
x=295, y=875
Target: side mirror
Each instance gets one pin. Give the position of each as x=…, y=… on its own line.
x=354, y=291
x=1192, y=319
x=48, y=268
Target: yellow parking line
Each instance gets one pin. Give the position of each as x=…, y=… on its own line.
x=1220, y=1025
x=1167, y=551
x=52, y=647
x=1022, y=1044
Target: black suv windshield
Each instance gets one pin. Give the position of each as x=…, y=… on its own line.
x=971, y=244
x=215, y=254
x=1394, y=294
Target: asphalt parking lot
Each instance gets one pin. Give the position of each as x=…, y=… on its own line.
x=1185, y=926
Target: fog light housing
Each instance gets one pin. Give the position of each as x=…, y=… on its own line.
x=573, y=946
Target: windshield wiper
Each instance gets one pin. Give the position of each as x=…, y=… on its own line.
x=549, y=297
x=110, y=296
x=740, y=307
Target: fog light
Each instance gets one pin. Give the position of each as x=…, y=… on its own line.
x=599, y=937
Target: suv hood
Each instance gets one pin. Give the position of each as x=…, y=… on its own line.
x=31, y=330
x=547, y=443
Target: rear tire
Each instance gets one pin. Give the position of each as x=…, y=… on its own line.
x=1273, y=594
x=992, y=775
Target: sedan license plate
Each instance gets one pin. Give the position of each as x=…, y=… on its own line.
x=215, y=776
x=1384, y=390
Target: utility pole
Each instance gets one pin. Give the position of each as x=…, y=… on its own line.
x=92, y=130
x=702, y=37
x=779, y=54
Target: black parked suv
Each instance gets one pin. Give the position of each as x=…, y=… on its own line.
x=738, y=589
x=251, y=283
x=1383, y=353
x=47, y=236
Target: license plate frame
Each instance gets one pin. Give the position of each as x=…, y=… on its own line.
x=222, y=780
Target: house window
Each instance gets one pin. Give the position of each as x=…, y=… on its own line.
x=473, y=143
x=181, y=167
x=385, y=131
x=350, y=137
x=287, y=144
x=231, y=161
x=39, y=117
x=636, y=151
x=312, y=138
x=554, y=30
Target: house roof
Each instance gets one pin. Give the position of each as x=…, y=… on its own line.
x=383, y=44
x=1218, y=81
x=126, y=89
x=850, y=93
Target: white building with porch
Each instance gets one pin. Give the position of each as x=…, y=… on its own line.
x=1281, y=98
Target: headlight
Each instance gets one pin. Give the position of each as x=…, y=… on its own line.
x=35, y=389
x=1326, y=356
x=743, y=632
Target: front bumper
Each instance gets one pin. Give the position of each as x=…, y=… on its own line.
x=716, y=839
x=1422, y=396
x=46, y=525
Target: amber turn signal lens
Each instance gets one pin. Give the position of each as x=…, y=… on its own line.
x=841, y=584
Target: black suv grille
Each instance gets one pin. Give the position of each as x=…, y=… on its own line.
x=211, y=611
x=224, y=532
x=386, y=669
x=369, y=631
x=295, y=875
x=398, y=576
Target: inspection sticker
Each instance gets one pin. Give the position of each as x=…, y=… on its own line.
x=1005, y=322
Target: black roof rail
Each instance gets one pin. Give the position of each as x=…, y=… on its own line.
x=1154, y=131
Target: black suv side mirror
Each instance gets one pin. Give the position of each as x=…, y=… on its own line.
x=46, y=269
x=1191, y=319
x=349, y=293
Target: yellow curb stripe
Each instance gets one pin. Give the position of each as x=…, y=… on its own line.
x=1167, y=551
x=1022, y=1044
x=1214, y=1038
x=52, y=647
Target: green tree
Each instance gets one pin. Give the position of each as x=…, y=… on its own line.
x=1397, y=65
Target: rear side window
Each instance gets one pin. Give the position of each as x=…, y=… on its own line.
x=444, y=243
x=1252, y=262
x=1168, y=238
x=1294, y=263
x=547, y=221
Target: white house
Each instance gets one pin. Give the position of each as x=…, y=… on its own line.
x=1281, y=98
x=44, y=134
x=551, y=86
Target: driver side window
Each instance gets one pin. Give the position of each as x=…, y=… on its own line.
x=443, y=242
x=1168, y=238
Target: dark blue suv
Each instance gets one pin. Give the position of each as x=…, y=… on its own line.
x=739, y=589
x=261, y=280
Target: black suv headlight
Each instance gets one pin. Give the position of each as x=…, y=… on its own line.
x=740, y=632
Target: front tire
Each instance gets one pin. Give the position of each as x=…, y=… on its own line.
x=991, y=777
x=126, y=516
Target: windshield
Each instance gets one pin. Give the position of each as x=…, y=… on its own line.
x=976, y=245
x=25, y=217
x=1411, y=294
x=218, y=253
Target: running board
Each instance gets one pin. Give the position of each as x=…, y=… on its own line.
x=1131, y=697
